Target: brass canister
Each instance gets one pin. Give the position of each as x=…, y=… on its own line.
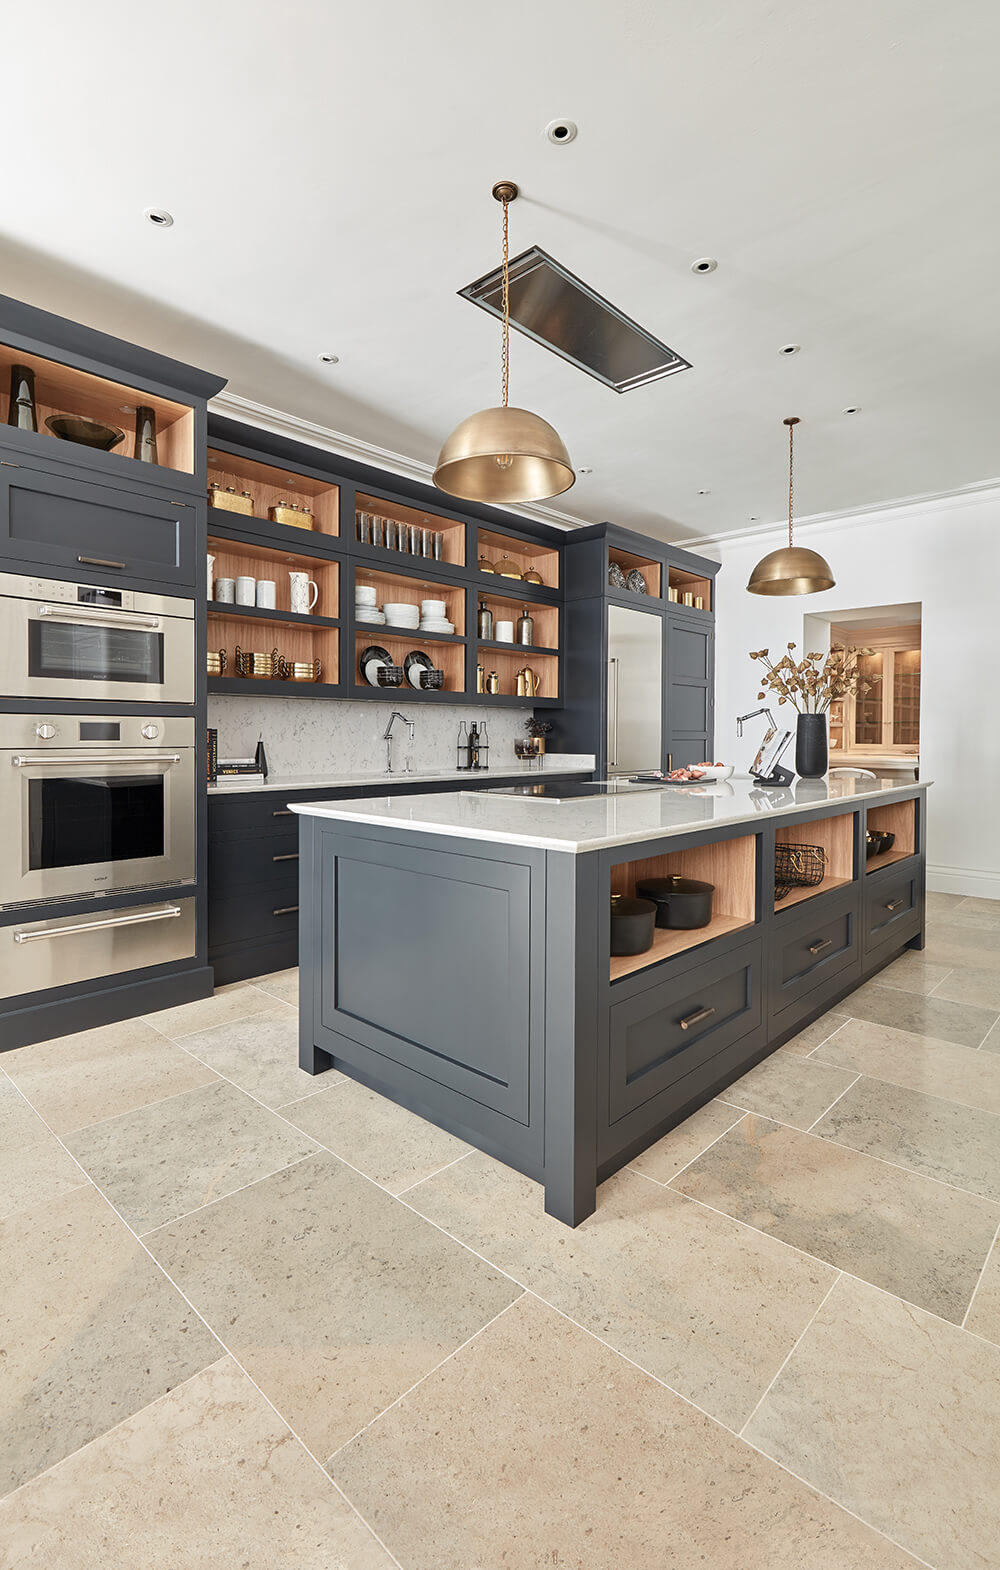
x=493, y=682
x=688, y=597
x=288, y=512
x=229, y=500
x=480, y=678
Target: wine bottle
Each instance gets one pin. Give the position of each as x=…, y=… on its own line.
x=474, y=746
x=462, y=751
x=484, y=747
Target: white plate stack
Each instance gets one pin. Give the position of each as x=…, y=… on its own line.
x=434, y=617
x=365, y=608
x=398, y=613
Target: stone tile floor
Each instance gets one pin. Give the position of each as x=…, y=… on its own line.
x=252, y=1318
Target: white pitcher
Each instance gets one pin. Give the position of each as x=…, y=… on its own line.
x=211, y=573
x=302, y=602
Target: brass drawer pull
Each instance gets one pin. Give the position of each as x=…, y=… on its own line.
x=98, y=561
x=283, y=812
x=292, y=855
x=696, y=1018
x=817, y=948
x=894, y=904
x=285, y=910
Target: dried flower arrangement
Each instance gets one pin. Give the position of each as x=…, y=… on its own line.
x=537, y=727
x=811, y=686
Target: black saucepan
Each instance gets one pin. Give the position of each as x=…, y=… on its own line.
x=680, y=902
x=633, y=923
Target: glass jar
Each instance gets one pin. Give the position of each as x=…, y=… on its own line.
x=485, y=620
x=524, y=632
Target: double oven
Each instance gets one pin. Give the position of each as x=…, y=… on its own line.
x=100, y=803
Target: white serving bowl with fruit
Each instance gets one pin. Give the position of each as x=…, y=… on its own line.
x=700, y=771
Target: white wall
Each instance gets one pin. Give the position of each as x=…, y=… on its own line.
x=946, y=555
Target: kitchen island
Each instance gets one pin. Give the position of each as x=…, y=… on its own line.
x=455, y=953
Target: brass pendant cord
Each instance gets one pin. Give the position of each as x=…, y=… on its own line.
x=792, y=422
x=505, y=351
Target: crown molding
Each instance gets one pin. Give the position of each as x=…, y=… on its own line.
x=847, y=515
x=233, y=407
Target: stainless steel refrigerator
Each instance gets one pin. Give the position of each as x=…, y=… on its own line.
x=635, y=690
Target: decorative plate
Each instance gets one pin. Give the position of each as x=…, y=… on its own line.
x=616, y=577
x=369, y=661
x=636, y=582
x=415, y=662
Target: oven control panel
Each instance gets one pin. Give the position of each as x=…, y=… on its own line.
x=67, y=731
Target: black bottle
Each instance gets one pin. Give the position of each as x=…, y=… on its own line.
x=22, y=399
x=260, y=757
x=484, y=748
x=474, y=762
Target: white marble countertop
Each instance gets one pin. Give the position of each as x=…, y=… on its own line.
x=596, y=822
x=552, y=763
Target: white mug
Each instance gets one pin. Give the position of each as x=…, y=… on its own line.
x=246, y=591
x=266, y=589
x=300, y=584
x=505, y=632
x=225, y=589
x=211, y=572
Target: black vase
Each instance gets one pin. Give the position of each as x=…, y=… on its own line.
x=812, y=755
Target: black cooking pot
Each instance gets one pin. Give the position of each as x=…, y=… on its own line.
x=680, y=902
x=633, y=924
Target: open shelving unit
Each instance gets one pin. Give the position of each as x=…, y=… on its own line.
x=451, y=530
x=682, y=582
x=729, y=865
x=269, y=487
x=508, y=608
x=410, y=589
x=62, y=389
x=525, y=555
x=448, y=655
x=899, y=818
x=507, y=659
x=651, y=572
x=836, y=836
x=245, y=558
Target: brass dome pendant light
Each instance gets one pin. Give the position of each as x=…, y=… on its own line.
x=505, y=454
x=791, y=570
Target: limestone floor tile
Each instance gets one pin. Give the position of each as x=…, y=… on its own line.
x=984, y=1315
x=537, y=1447
x=79, y=1079
x=665, y=1159
x=938, y=1068
x=332, y=1295
x=819, y=1031
x=282, y=984
x=897, y=1229
x=923, y=1016
x=976, y=914
x=225, y=1005
x=959, y=1145
x=788, y=1088
x=34, y=1167
x=700, y=1302
x=163, y=1160
x=948, y=944
x=962, y=985
x=261, y=1055
x=940, y=904
x=894, y=1415
x=913, y=972
x=385, y=1142
x=91, y=1331
x=205, y=1477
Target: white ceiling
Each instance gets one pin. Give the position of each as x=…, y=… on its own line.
x=329, y=169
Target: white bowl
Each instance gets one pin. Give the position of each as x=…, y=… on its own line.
x=434, y=609
x=722, y=771
x=401, y=611
x=364, y=595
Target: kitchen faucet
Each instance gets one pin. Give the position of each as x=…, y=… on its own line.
x=387, y=738
x=752, y=716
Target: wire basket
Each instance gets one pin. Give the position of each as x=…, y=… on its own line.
x=797, y=867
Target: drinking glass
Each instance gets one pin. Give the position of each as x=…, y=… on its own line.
x=438, y=545
x=364, y=525
x=426, y=542
x=378, y=530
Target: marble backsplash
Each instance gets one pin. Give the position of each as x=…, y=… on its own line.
x=310, y=736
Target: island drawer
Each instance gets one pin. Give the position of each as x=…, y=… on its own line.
x=660, y=1035
x=892, y=905
x=808, y=952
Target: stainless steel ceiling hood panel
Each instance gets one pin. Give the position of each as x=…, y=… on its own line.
x=558, y=310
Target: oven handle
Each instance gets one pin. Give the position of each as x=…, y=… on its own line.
x=87, y=760
x=104, y=618
x=97, y=926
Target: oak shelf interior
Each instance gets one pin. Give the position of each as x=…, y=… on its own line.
x=507, y=659
x=405, y=589
x=690, y=583
x=452, y=531
x=669, y=941
x=448, y=656
x=836, y=837
x=796, y=896
x=242, y=558
x=898, y=818
x=269, y=486
x=525, y=555
x=62, y=389
x=650, y=571
x=729, y=865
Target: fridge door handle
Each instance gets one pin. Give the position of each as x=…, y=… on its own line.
x=613, y=663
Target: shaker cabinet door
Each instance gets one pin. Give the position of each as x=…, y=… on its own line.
x=51, y=520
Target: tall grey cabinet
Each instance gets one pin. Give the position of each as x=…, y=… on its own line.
x=638, y=654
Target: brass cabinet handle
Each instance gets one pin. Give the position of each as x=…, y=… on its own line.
x=98, y=561
x=283, y=812
x=285, y=910
x=895, y=903
x=292, y=855
x=817, y=948
x=696, y=1018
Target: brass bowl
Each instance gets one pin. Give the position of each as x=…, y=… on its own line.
x=88, y=433
x=531, y=576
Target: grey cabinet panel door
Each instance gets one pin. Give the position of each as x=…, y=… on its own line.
x=427, y=960
x=689, y=652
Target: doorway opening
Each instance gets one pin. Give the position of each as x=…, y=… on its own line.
x=880, y=729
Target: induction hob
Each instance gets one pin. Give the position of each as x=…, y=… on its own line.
x=571, y=790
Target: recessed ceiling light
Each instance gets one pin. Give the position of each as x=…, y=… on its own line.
x=584, y=471
x=790, y=348
x=755, y=517
x=852, y=408
x=561, y=131
x=329, y=359
x=704, y=264
x=158, y=216
x=704, y=493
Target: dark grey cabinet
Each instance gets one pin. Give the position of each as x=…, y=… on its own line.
x=690, y=691
x=49, y=519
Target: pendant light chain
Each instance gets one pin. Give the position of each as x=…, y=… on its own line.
x=505, y=352
x=791, y=479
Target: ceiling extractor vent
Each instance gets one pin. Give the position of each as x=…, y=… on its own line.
x=558, y=310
